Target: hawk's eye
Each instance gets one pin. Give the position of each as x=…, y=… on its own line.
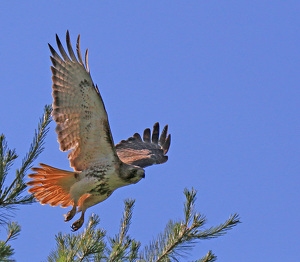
x=132, y=174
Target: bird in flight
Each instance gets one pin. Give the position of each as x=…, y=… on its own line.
x=82, y=126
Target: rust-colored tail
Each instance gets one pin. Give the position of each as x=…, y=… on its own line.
x=51, y=185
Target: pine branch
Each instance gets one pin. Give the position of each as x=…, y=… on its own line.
x=189, y=205
x=126, y=219
x=122, y=246
x=13, y=230
x=7, y=157
x=11, y=196
x=209, y=257
x=6, y=251
x=181, y=236
x=133, y=255
x=81, y=246
x=220, y=230
x=94, y=239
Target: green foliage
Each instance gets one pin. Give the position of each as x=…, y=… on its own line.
x=179, y=237
x=209, y=257
x=122, y=246
x=6, y=251
x=90, y=245
x=174, y=243
x=80, y=247
x=12, y=195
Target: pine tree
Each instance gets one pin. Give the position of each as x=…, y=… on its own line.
x=93, y=244
x=174, y=243
x=13, y=195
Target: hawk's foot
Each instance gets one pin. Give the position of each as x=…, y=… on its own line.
x=77, y=224
x=70, y=214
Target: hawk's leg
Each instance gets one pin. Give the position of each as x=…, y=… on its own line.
x=86, y=203
x=70, y=214
x=78, y=223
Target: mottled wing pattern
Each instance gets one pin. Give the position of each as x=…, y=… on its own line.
x=78, y=110
x=149, y=151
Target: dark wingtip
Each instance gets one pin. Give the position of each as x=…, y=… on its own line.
x=163, y=135
x=87, y=60
x=57, y=39
x=54, y=63
x=166, y=145
x=69, y=46
x=68, y=39
x=155, y=133
x=54, y=54
x=137, y=136
x=78, y=50
x=61, y=49
x=50, y=46
x=51, y=49
x=146, y=135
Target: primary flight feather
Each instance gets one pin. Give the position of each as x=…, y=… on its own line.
x=100, y=167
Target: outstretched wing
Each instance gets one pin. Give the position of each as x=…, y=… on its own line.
x=149, y=151
x=78, y=109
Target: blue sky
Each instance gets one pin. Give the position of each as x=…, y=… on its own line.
x=223, y=74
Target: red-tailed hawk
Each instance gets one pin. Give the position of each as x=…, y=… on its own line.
x=100, y=167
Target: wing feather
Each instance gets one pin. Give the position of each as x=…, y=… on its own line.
x=137, y=137
x=87, y=60
x=69, y=46
x=78, y=109
x=146, y=152
x=163, y=135
x=62, y=50
x=79, y=51
x=146, y=135
x=55, y=55
x=155, y=133
x=166, y=144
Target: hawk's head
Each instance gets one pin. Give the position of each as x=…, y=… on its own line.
x=131, y=174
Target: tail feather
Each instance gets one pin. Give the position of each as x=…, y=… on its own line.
x=39, y=176
x=50, y=191
x=61, y=200
x=39, y=189
x=34, y=183
x=52, y=185
x=66, y=203
x=40, y=195
x=48, y=199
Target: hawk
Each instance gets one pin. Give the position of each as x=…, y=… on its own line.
x=82, y=126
